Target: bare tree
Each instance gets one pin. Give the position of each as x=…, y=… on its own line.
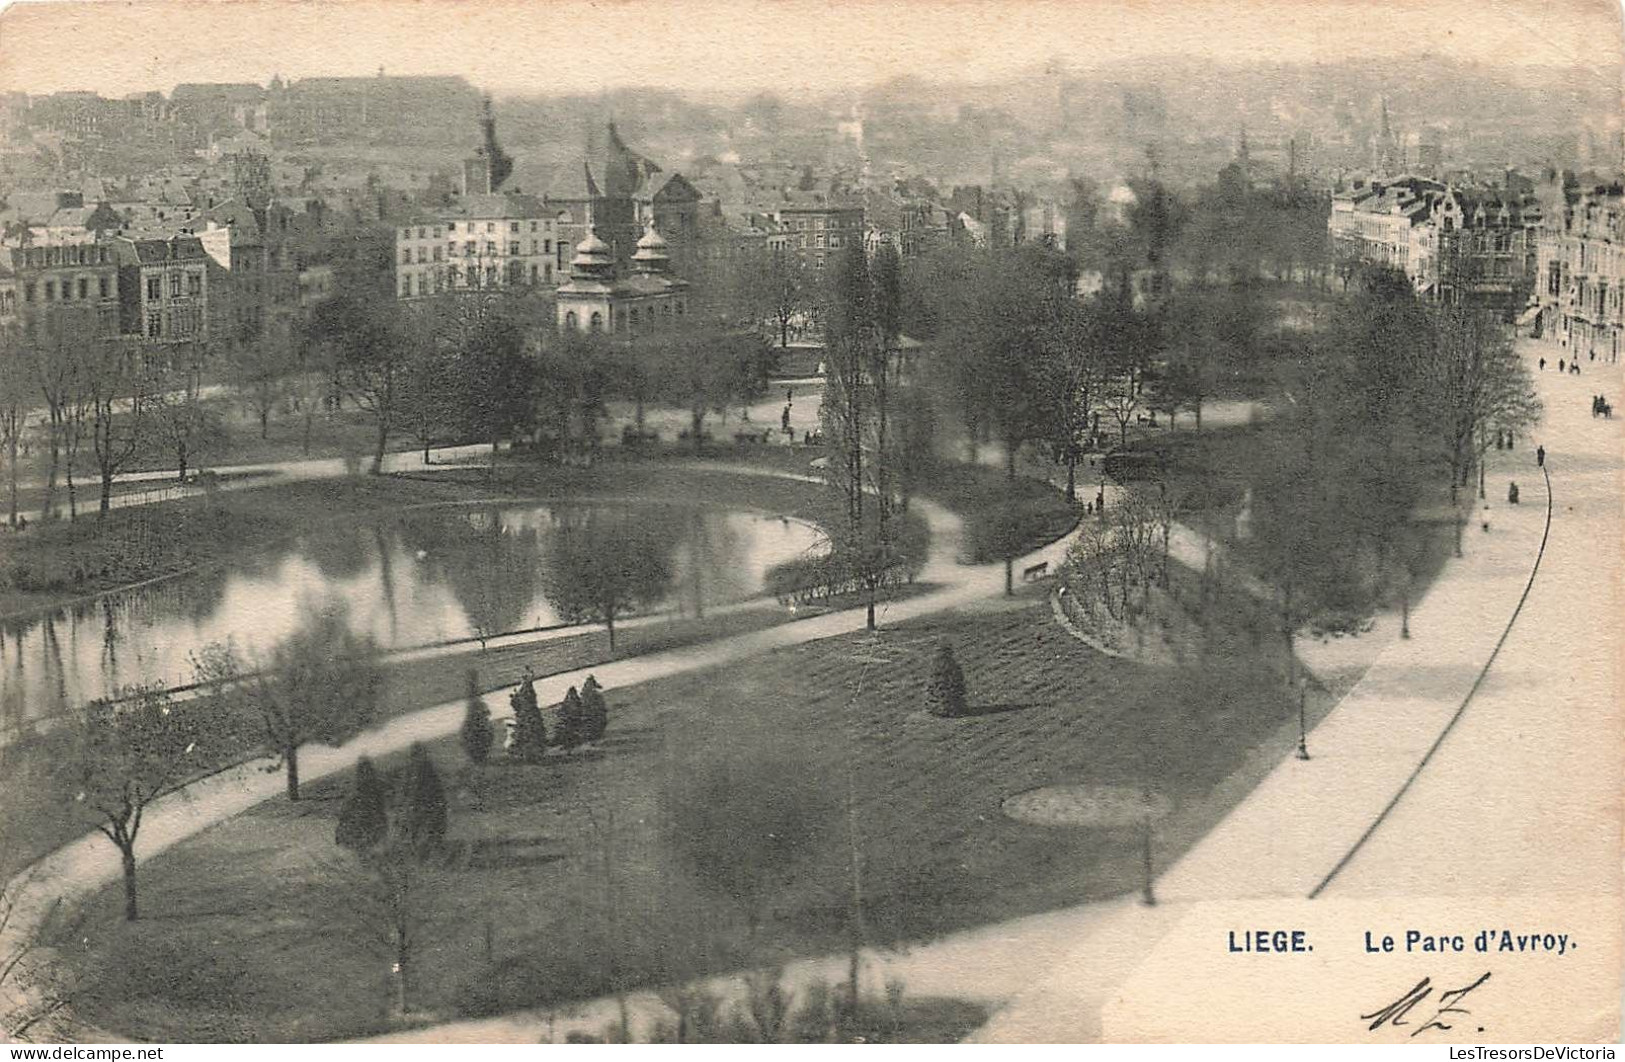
x=606, y=564
x=181, y=421
x=260, y=369
x=126, y=753
x=321, y=684
x=118, y=387
x=34, y=984
x=15, y=392
x=55, y=349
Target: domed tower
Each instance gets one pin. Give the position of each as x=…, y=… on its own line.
x=652, y=256
x=585, y=301
x=593, y=261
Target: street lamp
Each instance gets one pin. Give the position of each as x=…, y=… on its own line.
x=1303, y=729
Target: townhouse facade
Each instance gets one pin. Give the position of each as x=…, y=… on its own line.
x=56, y=280
x=488, y=242
x=162, y=288
x=1474, y=246
x=1580, y=281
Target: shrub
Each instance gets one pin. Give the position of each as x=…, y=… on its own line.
x=424, y=819
x=363, y=820
x=529, y=730
x=594, y=709
x=476, y=733
x=945, y=693
x=572, y=728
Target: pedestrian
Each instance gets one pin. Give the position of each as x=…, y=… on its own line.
x=789, y=396
x=1512, y=493
x=1542, y=364
x=1574, y=368
x=1540, y=457
x=784, y=419
x=1560, y=366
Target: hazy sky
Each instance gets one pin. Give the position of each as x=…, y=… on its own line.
x=791, y=45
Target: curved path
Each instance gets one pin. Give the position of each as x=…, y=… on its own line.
x=91, y=863
x=1081, y=955
x=1494, y=806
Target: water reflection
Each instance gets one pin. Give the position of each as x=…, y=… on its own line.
x=408, y=579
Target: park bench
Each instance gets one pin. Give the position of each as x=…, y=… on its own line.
x=631, y=436
x=1035, y=572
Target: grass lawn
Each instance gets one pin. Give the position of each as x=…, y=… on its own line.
x=36, y=815
x=711, y=829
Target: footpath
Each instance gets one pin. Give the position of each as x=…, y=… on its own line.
x=1054, y=974
x=1479, y=759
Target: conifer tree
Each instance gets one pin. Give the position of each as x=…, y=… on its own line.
x=476, y=733
x=945, y=693
x=363, y=820
x=595, y=710
x=529, y=729
x=572, y=720
x=424, y=822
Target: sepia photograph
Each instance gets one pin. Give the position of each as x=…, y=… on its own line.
x=812, y=522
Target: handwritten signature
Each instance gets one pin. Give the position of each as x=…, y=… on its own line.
x=1448, y=1003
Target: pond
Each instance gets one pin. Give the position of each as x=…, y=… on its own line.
x=407, y=579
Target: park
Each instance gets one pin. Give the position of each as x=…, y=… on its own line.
x=768, y=701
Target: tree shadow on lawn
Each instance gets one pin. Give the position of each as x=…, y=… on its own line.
x=982, y=711
x=505, y=853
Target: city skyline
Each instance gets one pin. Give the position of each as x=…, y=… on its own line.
x=511, y=50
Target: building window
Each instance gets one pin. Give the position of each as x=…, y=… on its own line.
x=570, y=320
x=547, y=272
x=421, y=233
x=194, y=283
x=491, y=276
x=28, y=292
x=155, y=325
x=596, y=322
x=535, y=272
x=84, y=287
x=423, y=254
x=533, y=226
x=513, y=227
x=406, y=286
x=547, y=246
x=50, y=291
x=406, y=256
x=513, y=247
x=490, y=226
x=469, y=249
x=437, y=250
x=632, y=323
x=490, y=248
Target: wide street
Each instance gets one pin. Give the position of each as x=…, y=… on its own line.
x=1505, y=810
